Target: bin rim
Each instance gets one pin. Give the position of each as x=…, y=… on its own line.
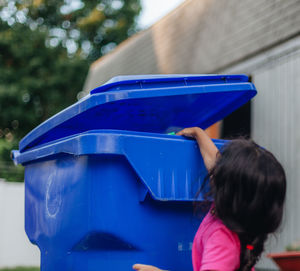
x=116, y=143
x=63, y=145
x=127, y=82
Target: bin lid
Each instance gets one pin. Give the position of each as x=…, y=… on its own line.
x=147, y=103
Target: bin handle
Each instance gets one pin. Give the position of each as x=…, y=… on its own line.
x=14, y=156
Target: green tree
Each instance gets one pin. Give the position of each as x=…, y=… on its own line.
x=91, y=27
x=46, y=47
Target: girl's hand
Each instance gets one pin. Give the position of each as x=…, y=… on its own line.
x=207, y=148
x=144, y=267
x=190, y=132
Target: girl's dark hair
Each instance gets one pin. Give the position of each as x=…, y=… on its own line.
x=248, y=186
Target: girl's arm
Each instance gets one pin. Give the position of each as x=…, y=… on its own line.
x=207, y=148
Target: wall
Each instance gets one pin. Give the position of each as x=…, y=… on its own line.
x=15, y=248
x=275, y=118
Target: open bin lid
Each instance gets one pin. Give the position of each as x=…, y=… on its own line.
x=147, y=103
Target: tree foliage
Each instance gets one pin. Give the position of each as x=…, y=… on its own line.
x=46, y=47
x=91, y=28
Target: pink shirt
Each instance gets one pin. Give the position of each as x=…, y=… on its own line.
x=215, y=247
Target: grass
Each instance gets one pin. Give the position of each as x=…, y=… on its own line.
x=21, y=269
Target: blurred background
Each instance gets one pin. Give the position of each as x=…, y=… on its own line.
x=52, y=53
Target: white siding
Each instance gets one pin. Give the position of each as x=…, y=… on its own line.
x=275, y=125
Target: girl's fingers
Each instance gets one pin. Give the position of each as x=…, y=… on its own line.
x=144, y=267
x=185, y=132
x=180, y=132
x=139, y=266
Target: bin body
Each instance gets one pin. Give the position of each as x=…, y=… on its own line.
x=107, y=207
x=105, y=199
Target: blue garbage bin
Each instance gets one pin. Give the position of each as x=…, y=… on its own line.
x=107, y=187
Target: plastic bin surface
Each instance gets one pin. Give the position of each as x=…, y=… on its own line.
x=105, y=199
x=105, y=188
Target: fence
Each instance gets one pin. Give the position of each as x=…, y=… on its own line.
x=15, y=248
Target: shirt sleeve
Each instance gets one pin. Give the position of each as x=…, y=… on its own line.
x=221, y=252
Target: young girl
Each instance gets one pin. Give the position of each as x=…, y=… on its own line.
x=248, y=189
